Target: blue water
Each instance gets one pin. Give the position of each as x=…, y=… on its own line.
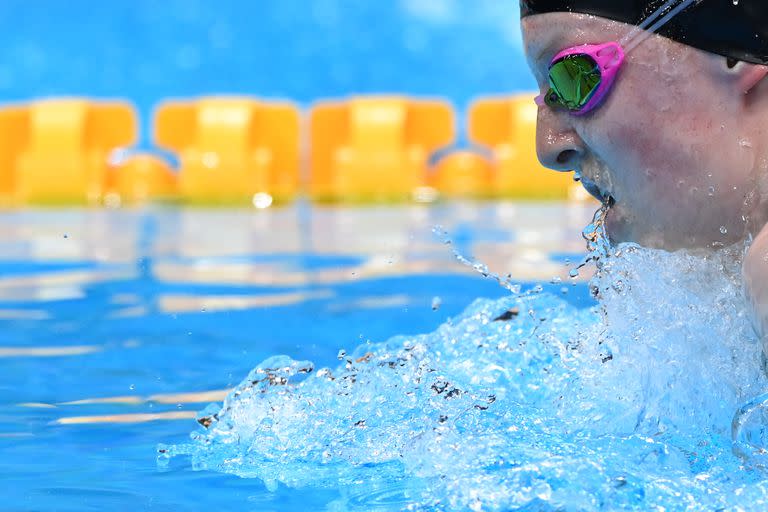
x=129, y=301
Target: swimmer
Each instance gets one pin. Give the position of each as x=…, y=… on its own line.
x=667, y=119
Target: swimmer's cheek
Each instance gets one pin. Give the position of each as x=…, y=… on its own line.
x=756, y=284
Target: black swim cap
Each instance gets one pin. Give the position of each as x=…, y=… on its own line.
x=737, y=29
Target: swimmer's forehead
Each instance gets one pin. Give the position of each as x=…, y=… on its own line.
x=547, y=34
x=737, y=29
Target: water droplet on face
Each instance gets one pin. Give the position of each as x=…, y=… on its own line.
x=723, y=229
x=711, y=191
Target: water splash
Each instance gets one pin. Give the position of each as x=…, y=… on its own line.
x=526, y=402
x=478, y=266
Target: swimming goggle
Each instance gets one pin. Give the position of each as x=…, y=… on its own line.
x=582, y=76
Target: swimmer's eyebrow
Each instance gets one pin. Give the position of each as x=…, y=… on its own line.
x=549, y=48
x=541, y=65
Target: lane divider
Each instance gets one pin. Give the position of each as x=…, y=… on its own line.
x=240, y=150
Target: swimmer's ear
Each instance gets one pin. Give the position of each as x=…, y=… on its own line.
x=746, y=75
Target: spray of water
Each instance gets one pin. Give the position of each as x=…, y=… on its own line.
x=526, y=402
x=478, y=266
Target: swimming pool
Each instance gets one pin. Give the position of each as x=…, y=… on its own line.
x=352, y=361
x=117, y=326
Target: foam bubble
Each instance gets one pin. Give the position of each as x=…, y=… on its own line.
x=524, y=402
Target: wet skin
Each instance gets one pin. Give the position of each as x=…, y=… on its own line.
x=680, y=143
x=675, y=143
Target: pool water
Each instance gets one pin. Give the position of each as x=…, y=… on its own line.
x=651, y=400
x=118, y=327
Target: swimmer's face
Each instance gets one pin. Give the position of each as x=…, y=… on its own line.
x=674, y=143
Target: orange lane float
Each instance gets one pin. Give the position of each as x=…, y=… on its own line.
x=507, y=126
x=232, y=150
x=375, y=147
x=14, y=131
x=65, y=148
x=463, y=174
x=140, y=178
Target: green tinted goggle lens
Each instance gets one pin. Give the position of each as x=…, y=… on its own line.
x=574, y=79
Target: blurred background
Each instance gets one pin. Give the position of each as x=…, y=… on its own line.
x=122, y=315
x=303, y=50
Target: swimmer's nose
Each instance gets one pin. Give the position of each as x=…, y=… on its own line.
x=557, y=145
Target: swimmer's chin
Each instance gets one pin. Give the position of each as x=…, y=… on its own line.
x=616, y=226
x=622, y=227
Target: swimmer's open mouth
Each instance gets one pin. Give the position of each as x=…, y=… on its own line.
x=595, y=191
